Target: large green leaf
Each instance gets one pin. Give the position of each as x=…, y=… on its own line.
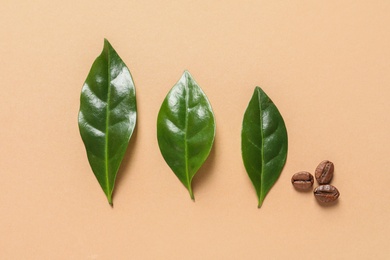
x=107, y=116
x=263, y=143
x=185, y=129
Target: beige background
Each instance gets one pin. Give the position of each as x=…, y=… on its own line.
x=324, y=63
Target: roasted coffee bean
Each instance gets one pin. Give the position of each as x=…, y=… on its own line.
x=326, y=193
x=302, y=180
x=324, y=172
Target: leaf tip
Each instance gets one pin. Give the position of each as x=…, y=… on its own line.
x=107, y=44
x=259, y=89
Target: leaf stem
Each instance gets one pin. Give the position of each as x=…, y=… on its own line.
x=191, y=192
x=260, y=203
x=109, y=197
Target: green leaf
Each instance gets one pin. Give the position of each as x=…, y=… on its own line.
x=185, y=129
x=107, y=116
x=263, y=143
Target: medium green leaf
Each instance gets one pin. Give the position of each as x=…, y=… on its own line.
x=185, y=129
x=107, y=116
x=263, y=143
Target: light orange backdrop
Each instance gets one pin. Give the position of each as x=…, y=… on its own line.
x=324, y=63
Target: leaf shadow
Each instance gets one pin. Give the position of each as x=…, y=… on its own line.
x=126, y=162
x=333, y=204
x=205, y=170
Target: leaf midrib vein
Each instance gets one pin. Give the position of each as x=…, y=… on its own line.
x=107, y=121
x=262, y=144
x=186, y=86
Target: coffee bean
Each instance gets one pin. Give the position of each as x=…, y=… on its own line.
x=326, y=193
x=302, y=180
x=324, y=172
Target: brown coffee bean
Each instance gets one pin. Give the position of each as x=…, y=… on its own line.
x=324, y=172
x=326, y=193
x=302, y=180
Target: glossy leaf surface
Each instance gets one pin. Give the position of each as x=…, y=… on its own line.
x=263, y=143
x=185, y=129
x=107, y=116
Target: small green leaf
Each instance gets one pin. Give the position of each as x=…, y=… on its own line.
x=185, y=129
x=107, y=116
x=263, y=143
